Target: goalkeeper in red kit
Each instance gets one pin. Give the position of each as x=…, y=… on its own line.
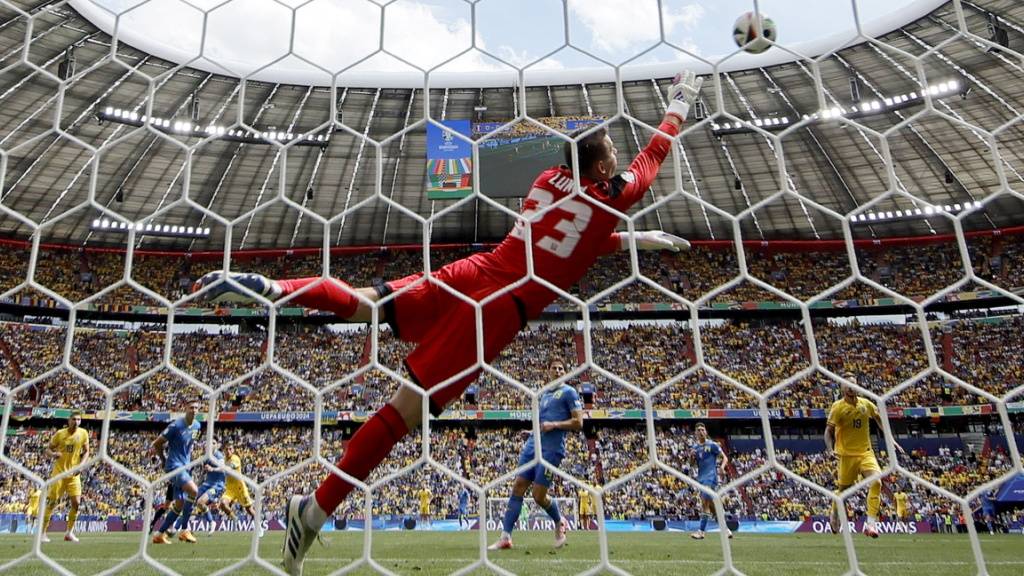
x=564, y=242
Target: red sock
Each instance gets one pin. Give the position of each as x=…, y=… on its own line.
x=327, y=296
x=370, y=445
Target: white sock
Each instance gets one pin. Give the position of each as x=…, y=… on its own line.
x=872, y=520
x=314, y=516
x=506, y=535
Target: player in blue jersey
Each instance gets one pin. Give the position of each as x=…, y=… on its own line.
x=988, y=511
x=707, y=452
x=212, y=487
x=561, y=411
x=177, y=439
x=464, y=507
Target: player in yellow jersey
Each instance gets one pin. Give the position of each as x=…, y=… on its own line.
x=424, y=496
x=69, y=447
x=586, y=508
x=848, y=435
x=32, y=507
x=901, y=505
x=235, y=490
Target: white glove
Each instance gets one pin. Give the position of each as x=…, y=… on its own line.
x=655, y=240
x=683, y=93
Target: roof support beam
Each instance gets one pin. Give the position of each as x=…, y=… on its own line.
x=311, y=183
x=39, y=110
x=82, y=117
x=238, y=149
x=21, y=47
x=359, y=159
x=398, y=165
x=1000, y=18
x=273, y=166
x=145, y=151
x=817, y=143
x=775, y=153
x=586, y=99
x=867, y=140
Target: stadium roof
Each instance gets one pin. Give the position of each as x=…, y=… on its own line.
x=420, y=36
x=937, y=158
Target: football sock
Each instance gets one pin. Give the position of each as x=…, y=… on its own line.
x=47, y=514
x=703, y=522
x=327, y=295
x=169, y=518
x=156, y=517
x=990, y=528
x=208, y=516
x=370, y=445
x=874, y=499
x=515, y=506
x=186, y=514
x=553, y=512
x=72, y=518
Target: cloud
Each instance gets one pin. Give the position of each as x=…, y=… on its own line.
x=335, y=34
x=617, y=26
x=246, y=34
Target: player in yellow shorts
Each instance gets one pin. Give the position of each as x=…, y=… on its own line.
x=235, y=490
x=32, y=508
x=424, y=496
x=848, y=435
x=586, y=509
x=901, y=505
x=69, y=447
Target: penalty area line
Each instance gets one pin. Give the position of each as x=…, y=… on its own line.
x=499, y=560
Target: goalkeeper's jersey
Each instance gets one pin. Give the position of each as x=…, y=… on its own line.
x=566, y=240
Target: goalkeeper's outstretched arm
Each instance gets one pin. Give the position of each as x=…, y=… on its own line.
x=644, y=168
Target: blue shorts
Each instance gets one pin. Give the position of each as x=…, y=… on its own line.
x=214, y=489
x=711, y=483
x=178, y=481
x=463, y=511
x=539, y=474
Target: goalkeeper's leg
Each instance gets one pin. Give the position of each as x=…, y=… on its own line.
x=446, y=353
x=328, y=294
x=370, y=445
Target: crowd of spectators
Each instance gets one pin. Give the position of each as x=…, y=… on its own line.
x=915, y=271
x=649, y=356
x=981, y=357
x=756, y=355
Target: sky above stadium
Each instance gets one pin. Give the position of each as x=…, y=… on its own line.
x=247, y=36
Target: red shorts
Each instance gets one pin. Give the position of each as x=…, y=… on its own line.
x=444, y=327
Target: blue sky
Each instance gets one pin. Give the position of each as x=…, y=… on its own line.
x=244, y=35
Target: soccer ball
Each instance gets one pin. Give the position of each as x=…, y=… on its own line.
x=746, y=35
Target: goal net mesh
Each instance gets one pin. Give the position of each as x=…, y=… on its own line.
x=650, y=453
x=532, y=516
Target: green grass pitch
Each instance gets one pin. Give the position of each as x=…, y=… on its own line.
x=430, y=553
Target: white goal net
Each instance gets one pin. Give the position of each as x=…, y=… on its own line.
x=330, y=173
x=532, y=516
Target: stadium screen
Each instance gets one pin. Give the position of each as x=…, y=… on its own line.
x=509, y=160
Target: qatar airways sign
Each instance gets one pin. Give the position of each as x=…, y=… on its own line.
x=887, y=527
